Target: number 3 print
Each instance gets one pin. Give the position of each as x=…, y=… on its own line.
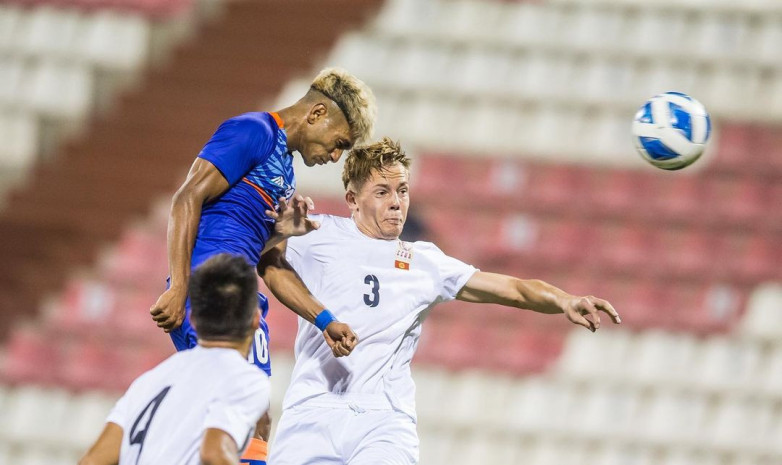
x=374, y=298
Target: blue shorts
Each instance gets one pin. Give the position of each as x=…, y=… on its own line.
x=185, y=337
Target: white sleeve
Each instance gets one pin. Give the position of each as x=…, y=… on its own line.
x=298, y=245
x=454, y=273
x=119, y=414
x=238, y=405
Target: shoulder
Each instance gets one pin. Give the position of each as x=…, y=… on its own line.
x=244, y=380
x=426, y=248
x=251, y=124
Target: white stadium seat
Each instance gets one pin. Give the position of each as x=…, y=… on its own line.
x=763, y=319
x=19, y=132
x=12, y=19
x=725, y=364
x=680, y=457
x=739, y=423
x=588, y=355
x=661, y=357
x=61, y=91
x=86, y=417
x=34, y=414
x=622, y=455
x=671, y=417
x=603, y=407
x=52, y=32
x=117, y=41
x=12, y=82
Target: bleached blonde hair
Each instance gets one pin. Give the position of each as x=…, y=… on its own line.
x=353, y=97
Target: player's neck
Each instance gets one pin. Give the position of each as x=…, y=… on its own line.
x=292, y=117
x=240, y=346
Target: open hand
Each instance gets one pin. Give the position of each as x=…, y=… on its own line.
x=291, y=219
x=579, y=308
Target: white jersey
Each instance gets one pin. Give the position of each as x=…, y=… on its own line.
x=383, y=290
x=166, y=411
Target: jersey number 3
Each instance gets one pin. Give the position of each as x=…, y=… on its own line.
x=373, y=298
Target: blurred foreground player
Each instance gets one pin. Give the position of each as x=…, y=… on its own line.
x=241, y=183
x=361, y=409
x=199, y=406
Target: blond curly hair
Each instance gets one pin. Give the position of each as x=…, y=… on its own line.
x=353, y=97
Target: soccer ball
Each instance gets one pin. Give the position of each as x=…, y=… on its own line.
x=670, y=130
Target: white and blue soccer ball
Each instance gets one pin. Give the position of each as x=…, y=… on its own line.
x=670, y=130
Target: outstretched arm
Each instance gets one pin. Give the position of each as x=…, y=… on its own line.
x=535, y=295
x=204, y=183
x=288, y=288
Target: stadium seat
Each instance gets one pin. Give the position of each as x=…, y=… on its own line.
x=431, y=383
x=537, y=406
x=669, y=417
x=604, y=407
x=739, y=423
x=86, y=417
x=680, y=457
x=591, y=356
x=475, y=399
x=436, y=445
x=623, y=455
x=19, y=131
x=12, y=81
x=34, y=414
x=52, y=33
x=116, y=41
x=483, y=447
x=30, y=357
x=60, y=91
x=660, y=358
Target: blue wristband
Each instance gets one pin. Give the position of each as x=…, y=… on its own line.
x=324, y=318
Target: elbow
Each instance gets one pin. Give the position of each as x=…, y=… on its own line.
x=268, y=264
x=87, y=460
x=211, y=457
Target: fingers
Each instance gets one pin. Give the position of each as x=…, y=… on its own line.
x=340, y=350
x=312, y=225
x=580, y=320
x=310, y=203
x=608, y=308
x=589, y=308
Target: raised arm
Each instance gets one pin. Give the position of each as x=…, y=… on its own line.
x=288, y=288
x=535, y=295
x=204, y=183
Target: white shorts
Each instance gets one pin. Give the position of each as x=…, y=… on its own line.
x=344, y=433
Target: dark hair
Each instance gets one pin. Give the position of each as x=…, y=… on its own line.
x=223, y=297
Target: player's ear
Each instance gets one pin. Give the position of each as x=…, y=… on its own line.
x=317, y=112
x=350, y=198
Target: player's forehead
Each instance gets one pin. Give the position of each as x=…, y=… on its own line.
x=395, y=175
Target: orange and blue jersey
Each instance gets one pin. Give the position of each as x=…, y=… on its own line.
x=251, y=152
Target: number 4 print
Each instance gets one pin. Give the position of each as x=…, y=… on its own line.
x=138, y=433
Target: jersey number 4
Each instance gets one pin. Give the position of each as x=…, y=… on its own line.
x=373, y=298
x=138, y=433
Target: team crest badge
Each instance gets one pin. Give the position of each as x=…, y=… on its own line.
x=404, y=255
